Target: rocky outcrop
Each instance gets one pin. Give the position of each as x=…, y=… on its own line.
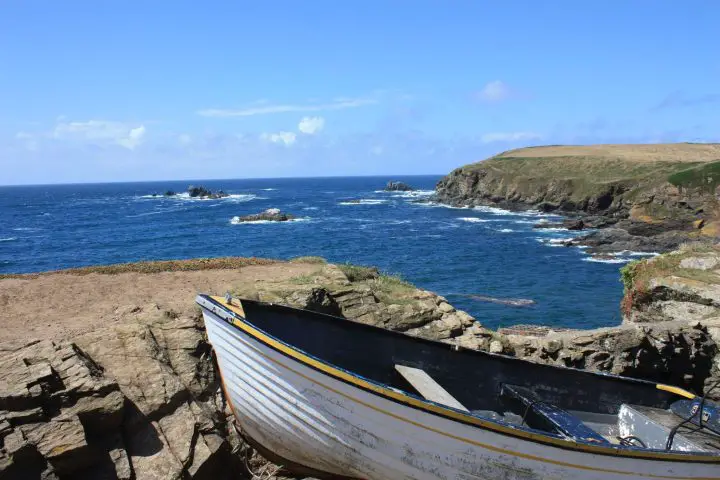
x=683, y=285
x=137, y=395
x=398, y=187
x=202, y=192
x=655, y=197
x=269, y=215
x=681, y=353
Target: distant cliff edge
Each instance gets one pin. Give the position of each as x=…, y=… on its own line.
x=647, y=196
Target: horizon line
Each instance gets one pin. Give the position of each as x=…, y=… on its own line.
x=215, y=180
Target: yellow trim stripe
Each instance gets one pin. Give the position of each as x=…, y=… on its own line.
x=675, y=390
x=458, y=415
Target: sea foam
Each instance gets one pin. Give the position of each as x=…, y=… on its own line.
x=364, y=201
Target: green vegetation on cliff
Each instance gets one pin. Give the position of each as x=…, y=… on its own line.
x=649, y=183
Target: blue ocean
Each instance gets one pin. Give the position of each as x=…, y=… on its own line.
x=455, y=252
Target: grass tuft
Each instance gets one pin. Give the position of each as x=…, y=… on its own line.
x=358, y=273
x=309, y=259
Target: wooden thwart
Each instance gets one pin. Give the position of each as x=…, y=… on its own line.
x=428, y=388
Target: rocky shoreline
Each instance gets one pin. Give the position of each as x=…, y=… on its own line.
x=629, y=198
x=135, y=394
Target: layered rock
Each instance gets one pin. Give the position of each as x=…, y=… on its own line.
x=654, y=196
x=137, y=396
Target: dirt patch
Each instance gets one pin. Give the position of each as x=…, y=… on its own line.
x=61, y=305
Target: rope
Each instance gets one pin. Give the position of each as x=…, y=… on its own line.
x=671, y=437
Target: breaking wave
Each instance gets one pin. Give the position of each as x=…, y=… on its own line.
x=8, y=239
x=606, y=260
x=236, y=221
x=364, y=201
x=473, y=219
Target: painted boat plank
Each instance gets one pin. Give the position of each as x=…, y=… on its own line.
x=428, y=388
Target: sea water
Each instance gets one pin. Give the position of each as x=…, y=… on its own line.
x=455, y=252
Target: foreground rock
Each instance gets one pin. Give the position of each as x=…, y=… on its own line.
x=136, y=395
x=269, y=215
x=654, y=197
x=398, y=187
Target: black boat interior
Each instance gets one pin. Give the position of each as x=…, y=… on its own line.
x=574, y=404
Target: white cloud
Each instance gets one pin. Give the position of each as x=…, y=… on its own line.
x=509, y=137
x=494, y=92
x=311, y=125
x=102, y=131
x=265, y=109
x=285, y=138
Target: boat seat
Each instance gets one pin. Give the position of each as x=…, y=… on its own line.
x=653, y=426
x=427, y=387
x=542, y=415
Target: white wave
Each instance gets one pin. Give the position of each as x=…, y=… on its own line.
x=27, y=229
x=364, y=201
x=236, y=221
x=632, y=253
x=552, y=230
x=441, y=205
x=473, y=219
x=269, y=189
x=502, y=211
x=238, y=197
x=413, y=194
x=8, y=239
x=45, y=214
x=530, y=222
x=506, y=230
x=606, y=260
x=310, y=208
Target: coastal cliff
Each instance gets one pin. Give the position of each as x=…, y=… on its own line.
x=106, y=372
x=654, y=196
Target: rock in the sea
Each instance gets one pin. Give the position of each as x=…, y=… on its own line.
x=269, y=215
x=202, y=192
x=169, y=193
x=398, y=187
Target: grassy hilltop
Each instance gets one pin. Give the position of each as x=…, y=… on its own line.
x=654, y=184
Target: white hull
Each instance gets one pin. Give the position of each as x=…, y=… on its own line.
x=310, y=418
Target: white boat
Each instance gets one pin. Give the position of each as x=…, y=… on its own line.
x=329, y=396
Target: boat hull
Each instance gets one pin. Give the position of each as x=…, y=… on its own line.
x=309, y=418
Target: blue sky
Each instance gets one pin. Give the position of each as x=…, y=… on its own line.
x=117, y=91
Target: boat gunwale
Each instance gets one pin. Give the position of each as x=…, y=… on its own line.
x=407, y=399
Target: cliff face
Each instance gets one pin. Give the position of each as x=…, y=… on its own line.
x=643, y=190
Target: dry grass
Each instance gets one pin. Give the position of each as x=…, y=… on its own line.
x=196, y=264
x=669, y=152
x=637, y=275
x=312, y=260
